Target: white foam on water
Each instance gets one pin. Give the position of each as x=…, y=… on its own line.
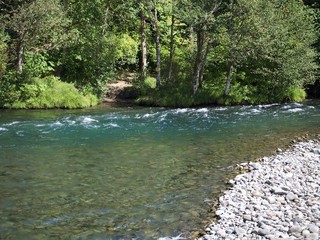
x=256, y=111
x=246, y=107
x=203, y=110
x=268, y=105
x=20, y=133
x=57, y=123
x=88, y=120
x=69, y=121
x=181, y=110
x=294, y=110
x=12, y=123
x=298, y=104
x=285, y=107
x=111, y=125
x=221, y=109
x=137, y=116
x=3, y=129
x=162, y=118
x=147, y=115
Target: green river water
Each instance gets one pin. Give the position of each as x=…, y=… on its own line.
x=130, y=173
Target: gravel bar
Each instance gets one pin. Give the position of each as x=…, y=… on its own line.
x=278, y=198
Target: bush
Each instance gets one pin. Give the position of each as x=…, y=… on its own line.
x=48, y=92
x=296, y=94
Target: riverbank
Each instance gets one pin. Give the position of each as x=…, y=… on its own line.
x=279, y=198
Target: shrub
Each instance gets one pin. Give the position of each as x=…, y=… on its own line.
x=50, y=92
x=296, y=94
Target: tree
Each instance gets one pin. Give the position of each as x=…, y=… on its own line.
x=201, y=16
x=240, y=35
x=143, y=39
x=37, y=26
x=271, y=41
x=288, y=46
x=155, y=24
x=3, y=53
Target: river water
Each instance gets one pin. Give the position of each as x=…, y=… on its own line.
x=130, y=173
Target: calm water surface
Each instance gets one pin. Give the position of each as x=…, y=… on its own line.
x=129, y=173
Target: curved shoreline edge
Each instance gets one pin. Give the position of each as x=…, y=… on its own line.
x=278, y=198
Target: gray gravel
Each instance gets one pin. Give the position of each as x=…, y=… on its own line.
x=279, y=198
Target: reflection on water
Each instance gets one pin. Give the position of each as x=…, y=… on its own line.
x=138, y=173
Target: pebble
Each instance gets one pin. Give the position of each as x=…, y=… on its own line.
x=279, y=198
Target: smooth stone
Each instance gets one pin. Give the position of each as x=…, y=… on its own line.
x=296, y=229
x=221, y=232
x=240, y=231
x=256, y=194
x=271, y=199
x=313, y=228
x=291, y=197
x=263, y=231
x=312, y=236
x=278, y=191
x=247, y=217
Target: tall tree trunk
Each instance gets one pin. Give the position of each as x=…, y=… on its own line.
x=229, y=78
x=143, y=44
x=171, y=48
x=158, y=46
x=191, y=34
x=204, y=64
x=20, y=58
x=198, y=60
x=98, y=49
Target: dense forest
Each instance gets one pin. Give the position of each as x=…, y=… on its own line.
x=63, y=53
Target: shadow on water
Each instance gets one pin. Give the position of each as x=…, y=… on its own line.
x=130, y=173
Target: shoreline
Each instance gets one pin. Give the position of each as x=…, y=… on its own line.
x=278, y=197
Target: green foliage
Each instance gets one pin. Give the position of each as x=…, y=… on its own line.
x=48, y=92
x=296, y=94
x=3, y=53
x=268, y=44
x=125, y=49
x=37, y=64
x=150, y=82
x=40, y=24
x=37, y=26
x=9, y=89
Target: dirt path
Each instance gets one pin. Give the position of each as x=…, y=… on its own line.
x=120, y=90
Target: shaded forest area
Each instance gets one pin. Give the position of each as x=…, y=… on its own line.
x=63, y=53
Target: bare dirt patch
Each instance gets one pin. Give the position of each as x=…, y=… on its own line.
x=121, y=90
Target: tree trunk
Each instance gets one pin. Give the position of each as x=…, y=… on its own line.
x=198, y=61
x=204, y=64
x=229, y=78
x=191, y=34
x=158, y=46
x=143, y=45
x=20, y=58
x=171, y=48
x=98, y=48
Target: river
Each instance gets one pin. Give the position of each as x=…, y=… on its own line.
x=130, y=173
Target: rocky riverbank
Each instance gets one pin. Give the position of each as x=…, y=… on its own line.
x=279, y=198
